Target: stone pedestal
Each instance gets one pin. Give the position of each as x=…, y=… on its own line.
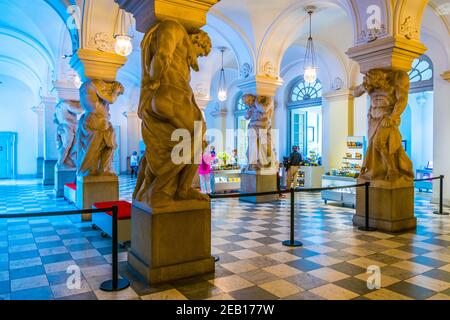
x=40, y=167
x=62, y=177
x=170, y=244
x=391, y=206
x=252, y=181
x=48, y=173
x=92, y=189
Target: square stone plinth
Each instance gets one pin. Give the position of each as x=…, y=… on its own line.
x=391, y=207
x=167, y=245
x=62, y=177
x=253, y=182
x=48, y=172
x=93, y=189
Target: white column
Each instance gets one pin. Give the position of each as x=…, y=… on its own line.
x=202, y=102
x=39, y=110
x=134, y=135
x=441, y=134
x=50, y=152
x=337, y=124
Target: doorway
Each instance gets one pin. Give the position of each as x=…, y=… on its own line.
x=7, y=155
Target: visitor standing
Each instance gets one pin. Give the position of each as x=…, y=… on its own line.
x=204, y=172
x=295, y=161
x=134, y=164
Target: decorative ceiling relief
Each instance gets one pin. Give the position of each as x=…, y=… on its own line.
x=102, y=42
x=201, y=90
x=369, y=35
x=409, y=29
x=337, y=84
x=246, y=70
x=269, y=70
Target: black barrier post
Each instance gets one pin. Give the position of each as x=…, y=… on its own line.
x=292, y=242
x=441, y=197
x=367, y=207
x=115, y=284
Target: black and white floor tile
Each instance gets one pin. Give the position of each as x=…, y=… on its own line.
x=35, y=253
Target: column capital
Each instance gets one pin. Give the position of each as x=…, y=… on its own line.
x=39, y=109
x=94, y=64
x=261, y=85
x=49, y=101
x=446, y=76
x=67, y=90
x=147, y=12
x=390, y=52
x=338, y=95
x=202, y=101
x=130, y=114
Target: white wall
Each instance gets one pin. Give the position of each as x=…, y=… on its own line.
x=16, y=101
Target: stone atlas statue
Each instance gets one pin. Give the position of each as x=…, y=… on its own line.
x=65, y=118
x=96, y=138
x=259, y=113
x=386, y=159
x=167, y=103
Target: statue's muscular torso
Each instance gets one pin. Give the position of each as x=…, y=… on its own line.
x=382, y=104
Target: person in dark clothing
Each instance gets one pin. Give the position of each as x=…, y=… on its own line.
x=295, y=161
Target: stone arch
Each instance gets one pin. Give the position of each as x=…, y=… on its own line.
x=276, y=41
x=239, y=42
x=63, y=9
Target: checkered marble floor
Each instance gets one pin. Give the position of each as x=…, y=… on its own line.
x=332, y=264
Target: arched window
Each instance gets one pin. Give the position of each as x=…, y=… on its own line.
x=240, y=105
x=421, y=75
x=305, y=92
x=305, y=116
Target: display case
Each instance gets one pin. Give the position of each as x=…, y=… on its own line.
x=353, y=159
x=345, y=196
x=310, y=177
x=424, y=174
x=225, y=181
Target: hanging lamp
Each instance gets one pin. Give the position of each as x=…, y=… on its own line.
x=310, y=67
x=123, y=45
x=222, y=93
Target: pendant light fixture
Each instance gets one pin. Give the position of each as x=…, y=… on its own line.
x=222, y=93
x=123, y=45
x=310, y=67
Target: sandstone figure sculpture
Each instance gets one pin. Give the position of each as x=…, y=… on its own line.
x=259, y=113
x=166, y=104
x=96, y=138
x=66, y=120
x=386, y=158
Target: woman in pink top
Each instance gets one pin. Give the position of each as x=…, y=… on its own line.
x=204, y=171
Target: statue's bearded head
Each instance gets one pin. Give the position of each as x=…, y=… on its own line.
x=249, y=100
x=377, y=79
x=201, y=42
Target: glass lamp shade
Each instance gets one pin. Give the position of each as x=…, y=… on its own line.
x=310, y=75
x=222, y=95
x=123, y=45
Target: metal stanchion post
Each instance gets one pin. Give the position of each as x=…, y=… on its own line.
x=115, y=284
x=441, y=197
x=292, y=242
x=367, y=207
